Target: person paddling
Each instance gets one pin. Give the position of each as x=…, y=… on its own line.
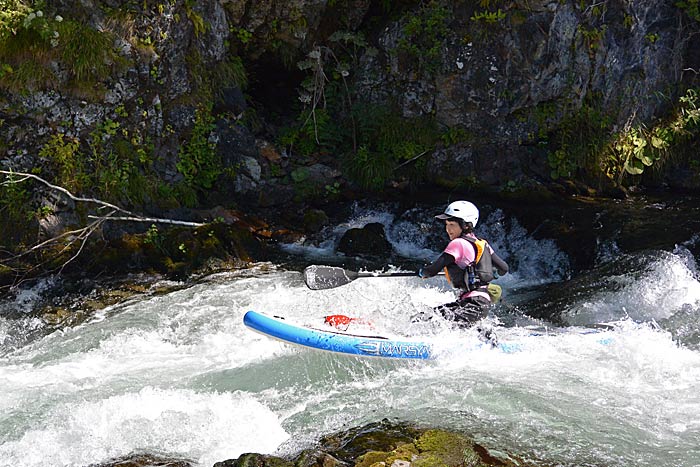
x=469, y=264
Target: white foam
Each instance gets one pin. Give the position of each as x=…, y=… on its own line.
x=662, y=289
x=203, y=427
x=180, y=374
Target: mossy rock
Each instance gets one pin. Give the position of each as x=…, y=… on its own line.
x=145, y=460
x=372, y=458
x=255, y=460
x=314, y=458
x=447, y=448
x=382, y=436
x=180, y=251
x=440, y=441
x=405, y=452
x=315, y=220
x=429, y=460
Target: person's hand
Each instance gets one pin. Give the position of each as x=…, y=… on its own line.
x=422, y=274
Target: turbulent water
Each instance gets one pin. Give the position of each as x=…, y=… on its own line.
x=179, y=375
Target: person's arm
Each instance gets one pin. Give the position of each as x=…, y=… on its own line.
x=436, y=266
x=501, y=266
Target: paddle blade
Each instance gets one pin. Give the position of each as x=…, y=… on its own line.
x=327, y=277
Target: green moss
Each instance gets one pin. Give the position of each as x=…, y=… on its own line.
x=438, y=447
x=29, y=52
x=440, y=441
x=405, y=452
x=86, y=52
x=315, y=220
x=424, y=33
x=372, y=458
x=210, y=80
x=429, y=460
x=261, y=460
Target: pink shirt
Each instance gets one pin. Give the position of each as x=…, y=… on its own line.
x=463, y=251
x=464, y=255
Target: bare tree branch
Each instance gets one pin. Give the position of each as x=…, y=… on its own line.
x=62, y=190
x=78, y=233
x=85, y=235
x=67, y=240
x=130, y=216
x=155, y=220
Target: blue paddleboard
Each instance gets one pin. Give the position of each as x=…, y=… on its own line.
x=334, y=341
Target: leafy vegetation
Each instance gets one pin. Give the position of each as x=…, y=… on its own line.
x=577, y=141
x=199, y=163
x=691, y=7
x=424, y=34
x=112, y=165
x=62, y=153
x=32, y=40
x=372, y=140
x=635, y=149
x=489, y=17
x=583, y=143
x=386, y=141
x=15, y=202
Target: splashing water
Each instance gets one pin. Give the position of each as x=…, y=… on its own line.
x=180, y=375
x=415, y=235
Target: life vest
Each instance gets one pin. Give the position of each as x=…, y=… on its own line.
x=480, y=272
x=477, y=274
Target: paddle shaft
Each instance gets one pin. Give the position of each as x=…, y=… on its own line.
x=386, y=274
x=329, y=277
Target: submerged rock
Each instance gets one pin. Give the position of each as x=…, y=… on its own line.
x=144, y=460
x=255, y=460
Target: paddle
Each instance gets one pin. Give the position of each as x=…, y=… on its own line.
x=329, y=277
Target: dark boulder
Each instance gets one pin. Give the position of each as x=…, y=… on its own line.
x=369, y=240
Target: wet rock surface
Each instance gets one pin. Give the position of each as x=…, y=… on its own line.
x=369, y=240
x=387, y=444
x=144, y=460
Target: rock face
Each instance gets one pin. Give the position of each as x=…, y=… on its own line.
x=509, y=81
x=180, y=104
x=503, y=77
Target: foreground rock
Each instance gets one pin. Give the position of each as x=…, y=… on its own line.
x=144, y=460
x=386, y=444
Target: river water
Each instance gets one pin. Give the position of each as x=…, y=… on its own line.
x=179, y=375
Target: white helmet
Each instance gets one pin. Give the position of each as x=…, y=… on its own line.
x=463, y=210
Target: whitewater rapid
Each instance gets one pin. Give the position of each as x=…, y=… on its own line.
x=179, y=375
